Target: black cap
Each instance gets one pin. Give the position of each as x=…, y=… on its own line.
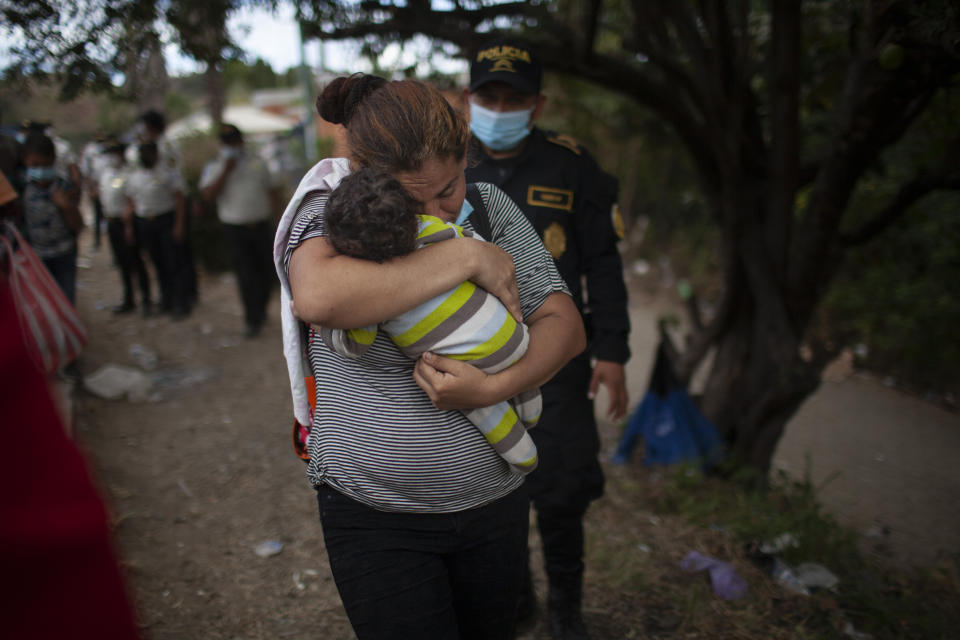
x=508, y=61
x=229, y=133
x=112, y=144
x=34, y=126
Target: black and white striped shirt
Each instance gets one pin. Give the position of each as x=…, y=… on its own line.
x=376, y=436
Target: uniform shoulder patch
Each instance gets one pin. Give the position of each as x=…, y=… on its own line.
x=568, y=142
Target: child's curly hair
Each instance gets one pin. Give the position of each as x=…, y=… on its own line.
x=371, y=216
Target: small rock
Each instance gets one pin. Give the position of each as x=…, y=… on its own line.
x=268, y=548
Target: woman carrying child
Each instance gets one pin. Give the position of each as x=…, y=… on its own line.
x=425, y=524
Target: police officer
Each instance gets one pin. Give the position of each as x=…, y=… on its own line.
x=572, y=204
x=247, y=197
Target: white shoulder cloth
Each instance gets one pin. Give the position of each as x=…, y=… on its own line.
x=323, y=176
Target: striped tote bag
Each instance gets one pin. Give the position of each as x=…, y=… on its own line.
x=51, y=328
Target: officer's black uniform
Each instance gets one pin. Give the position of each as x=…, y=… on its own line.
x=572, y=204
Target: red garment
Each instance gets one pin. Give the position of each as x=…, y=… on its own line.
x=59, y=577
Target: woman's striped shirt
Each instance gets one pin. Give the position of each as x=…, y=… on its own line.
x=376, y=436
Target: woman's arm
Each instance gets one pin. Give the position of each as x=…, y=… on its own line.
x=556, y=336
x=340, y=292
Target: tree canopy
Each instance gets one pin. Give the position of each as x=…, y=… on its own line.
x=87, y=44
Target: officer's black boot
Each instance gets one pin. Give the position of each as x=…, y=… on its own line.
x=564, y=619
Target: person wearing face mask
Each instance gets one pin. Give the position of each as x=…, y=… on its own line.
x=51, y=212
x=111, y=179
x=154, y=219
x=424, y=523
x=248, y=199
x=151, y=126
x=66, y=162
x=572, y=204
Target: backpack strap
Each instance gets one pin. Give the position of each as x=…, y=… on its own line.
x=479, y=218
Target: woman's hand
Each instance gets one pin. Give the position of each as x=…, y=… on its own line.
x=62, y=198
x=66, y=200
x=454, y=384
x=496, y=273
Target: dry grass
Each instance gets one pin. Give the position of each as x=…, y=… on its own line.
x=649, y=520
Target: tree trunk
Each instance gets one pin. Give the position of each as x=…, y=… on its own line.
x=752, y=391
x=758, y=379
x=216, y=100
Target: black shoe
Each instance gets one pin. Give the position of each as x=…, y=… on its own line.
x=564, y=620
x=146, y=309
x=179, y=313
x=566, y=624
x=121, y=309
x=252, y=330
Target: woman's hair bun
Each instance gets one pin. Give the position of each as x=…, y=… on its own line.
x=339, y=100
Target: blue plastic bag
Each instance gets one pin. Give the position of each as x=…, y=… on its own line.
x=671, y=426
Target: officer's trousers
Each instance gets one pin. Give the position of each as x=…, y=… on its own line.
x=156, y=237
x=127, y=257
x=250, y=247
x=569, y=475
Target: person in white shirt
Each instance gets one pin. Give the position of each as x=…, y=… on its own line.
x=248, y=200
x=92, y=159
x=156, y=208
x=151, y=127
x=111, y=175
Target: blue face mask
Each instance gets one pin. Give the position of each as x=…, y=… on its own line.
x=465, y=210
x=41, y=174
x=499, y=131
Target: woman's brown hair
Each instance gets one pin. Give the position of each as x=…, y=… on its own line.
x=393, y=126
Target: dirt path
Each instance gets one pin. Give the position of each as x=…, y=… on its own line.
x=201, y=472
x=887, y=463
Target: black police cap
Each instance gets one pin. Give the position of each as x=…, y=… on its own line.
x=230, y=133
x=509, y=61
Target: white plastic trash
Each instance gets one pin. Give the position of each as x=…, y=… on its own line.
x=114, y=382
x=815, y=576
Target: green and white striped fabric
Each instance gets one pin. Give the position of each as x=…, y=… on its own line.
x=466, y=323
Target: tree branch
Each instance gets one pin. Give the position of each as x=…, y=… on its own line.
x=784, y=147
x=908, y=194
x=658, y=96
x=877, y=107
x=593, y=23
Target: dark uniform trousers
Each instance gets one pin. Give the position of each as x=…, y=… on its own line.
x=97, y=220
x=127, y=257
x=156, y=237
x=571, y=203
x=568, y=476
x=250, y=247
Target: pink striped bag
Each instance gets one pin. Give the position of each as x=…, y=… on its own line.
x=51, y=328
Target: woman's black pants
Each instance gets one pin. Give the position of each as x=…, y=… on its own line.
x=439, y=576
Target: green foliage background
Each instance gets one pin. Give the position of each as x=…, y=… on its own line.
x=899, y=295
